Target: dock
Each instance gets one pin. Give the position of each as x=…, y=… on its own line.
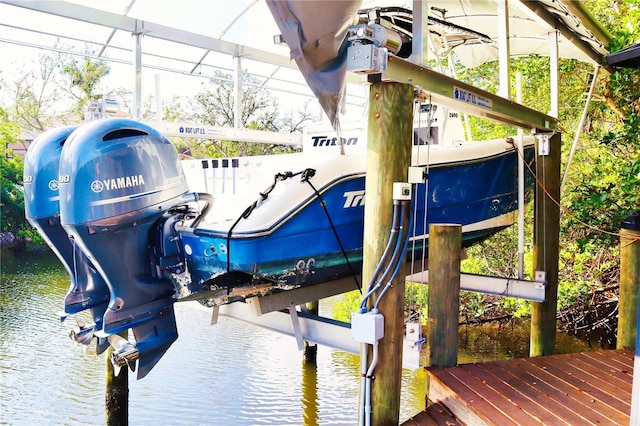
x=575, y=389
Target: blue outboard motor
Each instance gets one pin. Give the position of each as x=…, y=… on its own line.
x=88, y=290
x=118, y=178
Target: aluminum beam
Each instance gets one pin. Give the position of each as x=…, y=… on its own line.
x=511, y=287
x=539, y=9
x=464, y=97
x=314, y=329
x=198, y=131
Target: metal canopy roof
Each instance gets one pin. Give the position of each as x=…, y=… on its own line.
x=106, y=33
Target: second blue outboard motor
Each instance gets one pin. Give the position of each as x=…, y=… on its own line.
x=88, y=291
x=118, y=177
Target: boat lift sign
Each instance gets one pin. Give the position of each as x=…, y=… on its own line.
x=472, y=98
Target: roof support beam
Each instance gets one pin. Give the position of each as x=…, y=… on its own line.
x=137, y=73
x=554, y=63
x=128, y=24
x=586, y=18
x=504, y=52
x=538, y=9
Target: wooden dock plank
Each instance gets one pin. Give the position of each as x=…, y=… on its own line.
x=490, y=390
x=622, y=360
x=584, y=402
x=463, y=401
x=585, y=388
x=582, y=385
x=421, y=419
x=591, y=376
x=532, y=400
x=602, y=370
x=435, y=415
x=555, y=399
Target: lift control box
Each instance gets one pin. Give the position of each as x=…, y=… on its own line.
x=402, y=191
x=367, y=327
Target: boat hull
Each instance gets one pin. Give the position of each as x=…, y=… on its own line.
x=321, y=238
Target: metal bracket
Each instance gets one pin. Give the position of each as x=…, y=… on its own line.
x=367, y=59
x=412, y=345
x=543, y=143
x=214, y=314
x=417, y=174
x=297, y=331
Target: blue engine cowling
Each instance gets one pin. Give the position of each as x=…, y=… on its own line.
x=88, y=290
x=118, y=178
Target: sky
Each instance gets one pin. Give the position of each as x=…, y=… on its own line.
x=254, y=27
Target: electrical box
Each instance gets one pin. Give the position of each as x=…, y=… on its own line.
x=367, y=327
x=401, y=191
x=417, y=174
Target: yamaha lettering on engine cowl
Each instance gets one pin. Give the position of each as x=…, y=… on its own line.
x=119, y=181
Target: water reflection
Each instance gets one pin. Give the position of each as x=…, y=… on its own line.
x=490, y=342
x=309, y=394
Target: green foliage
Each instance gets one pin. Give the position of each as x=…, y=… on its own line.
x=474, y=306
x=35, y=93
x=347, y=305
x=84, y=76
x=603, y=181
x=584, y=270
x=11, y=192
x=215, y=105
x=497, y=256
x=417, y=302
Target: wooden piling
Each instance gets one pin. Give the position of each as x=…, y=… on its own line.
x=445, y=244
x=546, y=250
x=310, y=354
x=629, y=281
x=116, y=392
x=388, y=158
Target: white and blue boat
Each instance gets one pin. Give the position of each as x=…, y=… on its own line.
x=138, y=229
x=302, y=216
x=131, y=213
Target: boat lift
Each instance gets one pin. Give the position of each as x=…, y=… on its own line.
x=266, y=311
x=279, y=312
x=438, y=87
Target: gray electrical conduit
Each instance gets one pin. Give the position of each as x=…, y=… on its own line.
x=399, y=237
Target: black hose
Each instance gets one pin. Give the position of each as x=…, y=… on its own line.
x=247, y=212
x=396, y=251
x=306, y=175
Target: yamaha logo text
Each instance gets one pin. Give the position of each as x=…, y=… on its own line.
x=117, y=183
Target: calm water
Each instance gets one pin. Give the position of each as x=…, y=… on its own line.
x=228, y=374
